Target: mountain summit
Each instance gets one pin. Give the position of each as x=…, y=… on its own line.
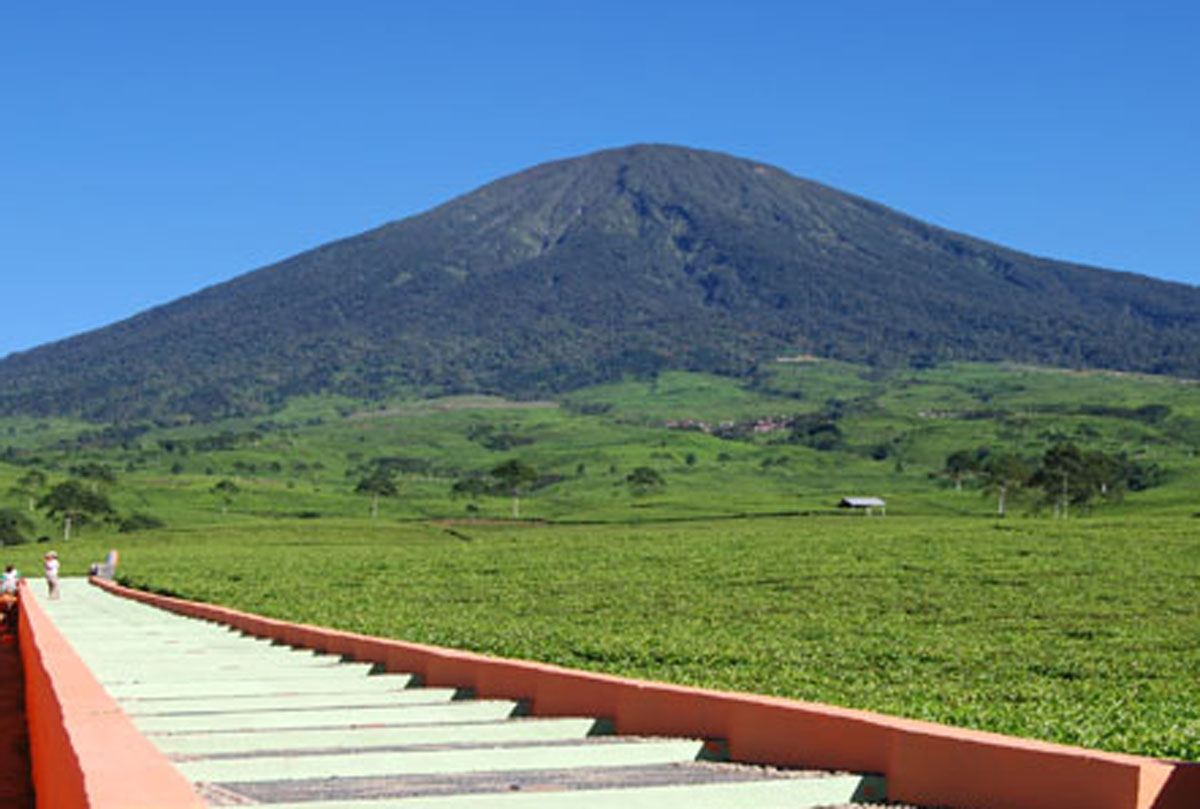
x=578, y=271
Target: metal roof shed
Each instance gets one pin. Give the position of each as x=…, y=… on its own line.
x=865, y=504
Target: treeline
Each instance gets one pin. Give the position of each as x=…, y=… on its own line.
x=1152, y=414
x=1064, y=479
x=219, y=442
x=78, y=501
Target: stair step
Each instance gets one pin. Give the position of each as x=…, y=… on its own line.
x=472, y=711
x=280, y=702
x=268, y=683
x=391, y=763
x=622, y=789
x=364, y=738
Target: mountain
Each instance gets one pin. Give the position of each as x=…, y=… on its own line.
x=579, y=271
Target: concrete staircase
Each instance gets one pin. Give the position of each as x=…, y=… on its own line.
x=248, y=722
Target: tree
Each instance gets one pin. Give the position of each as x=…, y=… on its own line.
x=959, y=465
x=28, y=486
x=15, y=526
x=514, y=478
x=1141, y=476
x=95, y=472
x=474, y=486
x=1069, y=477
x=377, y=484
x=817, y=431
x=1108, y=474
x=225, y=489
x=645, y=480
x=76, y=503
x=1003, y=475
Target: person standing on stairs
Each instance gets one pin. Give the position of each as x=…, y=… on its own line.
x=52, y=573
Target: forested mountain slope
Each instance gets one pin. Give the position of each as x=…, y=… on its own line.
x=579, y=271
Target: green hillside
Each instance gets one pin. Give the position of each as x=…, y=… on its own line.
x=661, y=535
x=580, y=272
x=794, y=438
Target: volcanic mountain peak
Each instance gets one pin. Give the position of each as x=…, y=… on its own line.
x=578, y=271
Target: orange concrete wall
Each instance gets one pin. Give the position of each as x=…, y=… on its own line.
x=85, y=752
x=924, y=763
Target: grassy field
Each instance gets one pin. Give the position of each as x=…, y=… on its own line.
x=1084, y=631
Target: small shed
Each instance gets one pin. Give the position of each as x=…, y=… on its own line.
x=867, y=505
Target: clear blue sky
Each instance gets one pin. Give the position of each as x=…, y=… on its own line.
x=150, y=149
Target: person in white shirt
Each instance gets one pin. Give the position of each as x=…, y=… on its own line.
x=8, y=599
x=11, y=577
x=52, y=573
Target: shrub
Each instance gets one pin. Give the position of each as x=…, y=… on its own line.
x=138, y=521
x=15, y=527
